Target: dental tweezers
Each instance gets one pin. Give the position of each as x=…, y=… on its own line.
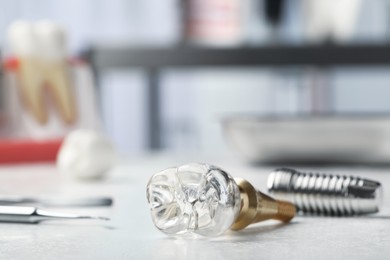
x=57, y=202
x=33, y=215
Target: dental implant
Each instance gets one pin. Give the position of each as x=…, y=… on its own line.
x=205, y=200
x=326, y=194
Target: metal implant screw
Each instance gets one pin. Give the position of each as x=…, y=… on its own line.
x=326, y=194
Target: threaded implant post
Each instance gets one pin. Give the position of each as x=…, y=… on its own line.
x=326, y=194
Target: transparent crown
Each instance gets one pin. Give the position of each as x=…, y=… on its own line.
x=193, y=198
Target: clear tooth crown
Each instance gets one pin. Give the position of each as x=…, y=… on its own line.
x=193, y=198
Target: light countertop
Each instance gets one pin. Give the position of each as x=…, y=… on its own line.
x=130, y=234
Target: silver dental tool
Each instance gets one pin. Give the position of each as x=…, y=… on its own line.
x=57, y=202
x=32, y=215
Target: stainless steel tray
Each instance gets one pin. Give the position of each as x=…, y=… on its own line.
x=311, y=139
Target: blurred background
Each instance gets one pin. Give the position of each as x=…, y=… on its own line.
x=157, y=89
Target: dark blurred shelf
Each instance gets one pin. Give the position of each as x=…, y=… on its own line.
x=323, y=55
x=154, y=59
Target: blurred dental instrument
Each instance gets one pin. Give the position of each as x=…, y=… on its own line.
x=326, y=194
x=58, y=202
x=32, y=215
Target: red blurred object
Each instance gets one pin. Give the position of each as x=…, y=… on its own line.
x=24, y=151
x=12, y=63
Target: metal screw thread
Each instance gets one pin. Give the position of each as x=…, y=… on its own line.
x=326, y=193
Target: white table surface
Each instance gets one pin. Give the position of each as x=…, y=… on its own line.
x=130, y=234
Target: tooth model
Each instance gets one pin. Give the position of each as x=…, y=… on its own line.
x=40, y=49
x=85, y=155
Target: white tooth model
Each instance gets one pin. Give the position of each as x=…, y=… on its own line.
x=41, y=52
x=50, y=38
x=21, y=39
x=85, y=155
